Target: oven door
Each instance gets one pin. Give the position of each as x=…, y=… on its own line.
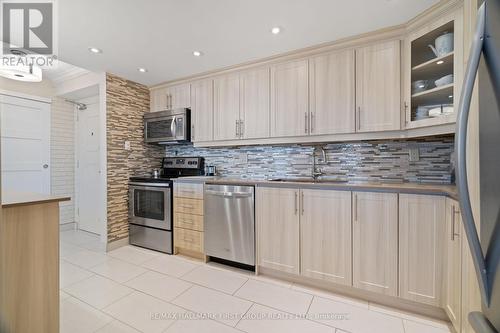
x=161, y=129
x=150, y=205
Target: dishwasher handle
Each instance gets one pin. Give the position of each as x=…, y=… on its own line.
x=229, y=194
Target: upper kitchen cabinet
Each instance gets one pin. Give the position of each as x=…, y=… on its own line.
x=433, y=66
x=332, y=93
x=241, y=105
x=227, y=107
x=378, y=87
x=422, y=225
x=290, y=99
x=254, y=103
x=202, y=110
x=169, y=98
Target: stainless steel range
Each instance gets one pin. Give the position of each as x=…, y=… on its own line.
x=150, y=203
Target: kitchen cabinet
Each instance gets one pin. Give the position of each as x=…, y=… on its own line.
x=241, y=105
x=332, y=93
x=202, y=110
x=325, y=231
x=227, y=107
x=290, y=99
x=375, y=242
x=378, y=84
x=277, y=214
x=453, y=277
x=254, y=103
x=421, y=247
x=169, y=98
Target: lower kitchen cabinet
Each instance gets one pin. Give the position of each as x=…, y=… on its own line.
x=421, y=247
x=453, y=276
x=277, y=212
x=325, y=231
x=375, y=242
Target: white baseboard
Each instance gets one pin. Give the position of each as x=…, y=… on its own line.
x=67, y=226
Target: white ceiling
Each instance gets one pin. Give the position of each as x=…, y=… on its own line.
x=161, y=35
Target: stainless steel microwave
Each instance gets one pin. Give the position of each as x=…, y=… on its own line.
x=166, y=127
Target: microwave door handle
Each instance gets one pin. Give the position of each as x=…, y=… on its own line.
x=460, y=148
x=173, y=127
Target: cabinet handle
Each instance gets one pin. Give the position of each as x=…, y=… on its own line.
x=359, y=118
x=355, y=208
x=296, y=207
x=305, y=122
x=313, y=120
x=455, y=233
x=192, y=132
x=236, y=128
x=242, y=127
x=406, y=112
x=452, y=223
x=302, y=203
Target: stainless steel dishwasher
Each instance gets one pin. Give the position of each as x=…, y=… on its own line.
x=230, y=223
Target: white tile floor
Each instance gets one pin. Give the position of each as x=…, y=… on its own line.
x=135, y=290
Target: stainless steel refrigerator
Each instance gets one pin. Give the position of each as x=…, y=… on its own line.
x=484, y=62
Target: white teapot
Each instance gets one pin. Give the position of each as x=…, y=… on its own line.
x=444, y=44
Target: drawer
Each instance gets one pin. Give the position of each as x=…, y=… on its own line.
x=188, y=206
x=188, y=190
x=188, y=221
x=188, y=239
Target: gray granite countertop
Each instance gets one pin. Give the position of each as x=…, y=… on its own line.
x=415, y=188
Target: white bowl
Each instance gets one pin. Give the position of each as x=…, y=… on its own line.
x=444, y=80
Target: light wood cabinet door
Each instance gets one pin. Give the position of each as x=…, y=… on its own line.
x=289, y=99
x=453, y=280
x=332, y=93
x=325, y=230
x=378, y=87
x=254, y=103
x=202, y=110
x=422, y=224
x=226, y=107
x=180, y=96
x=375, y=242
x=158, y=99
x=277, y=214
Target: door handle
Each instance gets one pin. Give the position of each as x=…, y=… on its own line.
x=461, y=168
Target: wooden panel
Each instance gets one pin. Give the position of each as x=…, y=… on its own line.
x=332, y=93
x=289, y=99
x=325, y=229
x=421, y=240
x=453, y=278
x=226, y=107
x=188, y=239
x=29, y=269
x=378, y=87
x=255, y=103
x=188, y=190
x=188, y=206
x=202, y=110
x=278, y=228
x=188, y=221
x=375, y=242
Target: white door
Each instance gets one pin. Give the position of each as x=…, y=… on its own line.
x=88, y=171
x=25, y=144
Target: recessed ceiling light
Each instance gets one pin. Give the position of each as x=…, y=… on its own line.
x=440, y=62
x=197, y=53
x=142, y=70
x=276, y=30
x=451, y=96
x=95, y=50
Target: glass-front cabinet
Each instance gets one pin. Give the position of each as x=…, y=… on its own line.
x=433, y=70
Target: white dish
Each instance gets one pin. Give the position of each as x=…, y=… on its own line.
x=444, y=80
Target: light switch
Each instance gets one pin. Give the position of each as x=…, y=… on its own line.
x=127, y=145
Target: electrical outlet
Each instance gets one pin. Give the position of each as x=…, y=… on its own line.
x=414, y=154
x=127, y=145
x=243, y=158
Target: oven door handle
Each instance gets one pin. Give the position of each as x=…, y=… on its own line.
x=173, y=127
x=165, y=185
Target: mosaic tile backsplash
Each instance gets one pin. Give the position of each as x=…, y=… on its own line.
x=386, y=161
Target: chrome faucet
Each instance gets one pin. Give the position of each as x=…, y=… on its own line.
x=317, y=172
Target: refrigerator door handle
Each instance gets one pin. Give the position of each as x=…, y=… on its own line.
x=460, y=148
